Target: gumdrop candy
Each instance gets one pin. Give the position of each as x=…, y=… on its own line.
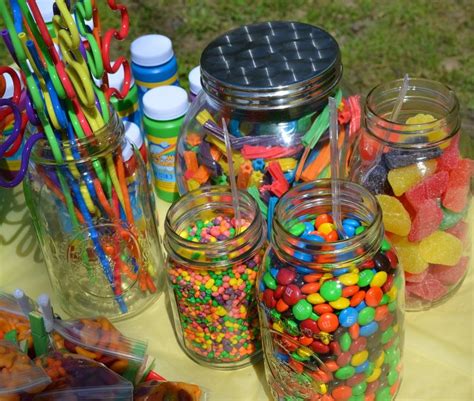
x=375, y=178
x=401, y=158
x=450, y=158
x=416, y=278
x=404, y=178
x=409, y=255
x=441, y=248
x=427, y=220
x=456, y=196
x=450, y=219
x=430, y=288
x=433, y=135
x=430, y=188
x=461, y=231
x=450, y=275
x=368, y=147
x=396, y=219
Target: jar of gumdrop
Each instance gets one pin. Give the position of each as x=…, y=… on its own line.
x=331, y=309
x=414, y=164
x=212, y=269
x=270, y=82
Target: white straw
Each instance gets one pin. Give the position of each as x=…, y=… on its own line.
x=23, y=301
x=233, y=184
x=47, y=312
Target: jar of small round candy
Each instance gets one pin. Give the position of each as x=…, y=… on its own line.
x=212, y=266
x=331, y=301
x=417, y=164
x=95, y=223
x=270, y=83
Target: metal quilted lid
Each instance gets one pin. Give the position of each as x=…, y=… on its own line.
x=271, y=65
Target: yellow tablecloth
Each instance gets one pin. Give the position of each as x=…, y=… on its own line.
x=439, y=344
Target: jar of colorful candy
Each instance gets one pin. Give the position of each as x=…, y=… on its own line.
x=212, y=266
x=98, y=236
x=331, y=309
x=270, y=82
x=415, y=165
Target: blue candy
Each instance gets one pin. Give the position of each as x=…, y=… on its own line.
x=368, y=329
x=304, y=270
x=340, y=272
x=313, y=237
x=304, y=257
x=349, y=230
x=308, y=227
x=274, y=271
x=362, y=367
x=361, y=306
x=282, y=357
x=348, y=317
x=258, y=164
x=351, y=222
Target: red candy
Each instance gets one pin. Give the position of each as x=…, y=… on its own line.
x=344, y=359
x=342, y=393
x=323, y=308
x=279, y=291
x=285, y=276
x=292, y=294
x=268, y=298
x=328, y=322
x=357, y=298
x=449, y=275
x=430, y=288
x=416, y=278
x=450, y=157
x=358, y=345
x=427, y=220
x=281, y=306
x=319, y=347
x=310, y=288
x=430, y=188
x=309, y=327
x=456, y=196
x=373, y=296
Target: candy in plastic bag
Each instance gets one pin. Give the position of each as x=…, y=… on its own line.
x=168, y=391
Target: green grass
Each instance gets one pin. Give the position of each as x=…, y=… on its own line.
x=380, y=40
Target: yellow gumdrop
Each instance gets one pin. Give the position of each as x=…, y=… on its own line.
x=341, y=303
x=349, y=279
x=304, y=352
x=326, y=228
x=441, y=248
x=409, y=255
x=403, y=178
x=379, y=279
x=221, y=311
x=359, y=358
x=315, y=299
x=434, y=134
x=380, y=359
x=277, y=326
x=374, y=376
x=396, y=219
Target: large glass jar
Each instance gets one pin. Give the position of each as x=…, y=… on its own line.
x=212, y=268
x=415, y=165
x=331, y=312
x=270, y=82
x=95, y=224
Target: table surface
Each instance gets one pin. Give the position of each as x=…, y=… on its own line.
x=438, y=356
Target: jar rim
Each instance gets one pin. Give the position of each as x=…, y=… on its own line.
x=250, y=240
x=380, y=125
x=106, y=138
x=321, y=190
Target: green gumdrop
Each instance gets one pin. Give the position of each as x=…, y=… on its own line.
x=383, y=394
x=302, y=310
x=365, y=278
x=345, y=373
x=345, y=342
x=269, y=281
x=297, y=229
x=450, y=219
x=366, y=315
x=359, y=389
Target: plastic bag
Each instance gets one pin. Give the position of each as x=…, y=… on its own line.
x=168, y=391
x=98, y=339
x=76, y=378
x=19, y=377
x=13, y=322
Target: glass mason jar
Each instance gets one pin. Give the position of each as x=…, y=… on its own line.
x=95, y=225
x=416, y=167
x=331, y=313
x=270, y=82
x=212, y=276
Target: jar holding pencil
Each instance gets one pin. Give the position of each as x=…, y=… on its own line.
x=270, y=83
x=103, y=256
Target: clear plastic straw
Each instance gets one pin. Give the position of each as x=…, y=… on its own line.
x=395, y=112
x=233, y=183
x=335, y=166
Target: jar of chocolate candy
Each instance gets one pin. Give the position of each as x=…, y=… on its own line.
x=414, y=163
x=270, y=82
x=331, y=301
x=212, y=264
